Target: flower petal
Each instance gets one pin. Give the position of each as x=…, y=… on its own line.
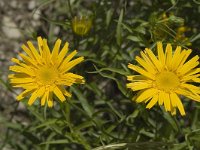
x=161, y=55
x=153, y=58
x=55, y=50
x=58, y=93
x=149, y=93
x=141, y=71
x=152, y=102
x=176, y=100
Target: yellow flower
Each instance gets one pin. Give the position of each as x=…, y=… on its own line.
x=44, y=73
x=162, y=80
x=180, y=35
x=81, y=25
x=182, y=29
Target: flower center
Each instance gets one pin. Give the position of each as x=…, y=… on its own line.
x=47, y=75
x=167, y=81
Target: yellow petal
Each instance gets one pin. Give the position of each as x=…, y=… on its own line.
x=136, y=78
x=15, y=60
x=148, y=60
x=64, y=91
x=28, y=51
x=63, y=53
x=50, y=103
x=44, y=98
x=173, y=111
x=46, y=52
x=146, y=65
x=161, y=55
x=65, y=82
x=153, y=58
x=178, y=103
x=168, y=55
x=58, y=93
x=22, y=70
x=24, y=94
x=34, y=52
x=71, y=64
x=135, y=86
x=28, y=60
x=22, y=80
x=149, y=93
x=40, y=45
x=161, y=98
x=32, y=98
x=176, y=57
x=56, y=50
x=35, y=95
x=27, y=85
x=67, y=59
x=77, y=78
x=188, y=94
x=188, y=66
x=20, y=63
x=141, y=71
x=176, y=64
x=152, y=102
x=192, y=72
x=194, y=89
x=188, y=52
x=189, y=77
x=50, y=100
x=196, y=80
x=167, y=102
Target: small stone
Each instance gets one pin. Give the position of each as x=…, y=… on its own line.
x=10, y=29
x=36, y=14
x=13, y=4
x=31, y=5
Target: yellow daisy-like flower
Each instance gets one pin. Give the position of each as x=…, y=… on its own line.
x=44, y=73
x=164, y=78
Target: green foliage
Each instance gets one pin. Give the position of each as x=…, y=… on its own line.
x=101, y=114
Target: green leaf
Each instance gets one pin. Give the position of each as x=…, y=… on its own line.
x=171, y=121
x=196, y=37
x=115, y=70
x=134, y=146
x=61, y=141
x=108, y=17
x=119, y=28
x=96, y=62
x=83, y=101
x=44, y=124
x=134, y=38
x=84, y=125
x=36, y=114
x=126, y=27
x=120, y=86
x=31, y=137
x=140, y=29
x=111, y=146
x=8, y=124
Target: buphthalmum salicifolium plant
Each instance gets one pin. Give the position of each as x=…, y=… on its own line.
x=162, y=79
x=42, y=74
